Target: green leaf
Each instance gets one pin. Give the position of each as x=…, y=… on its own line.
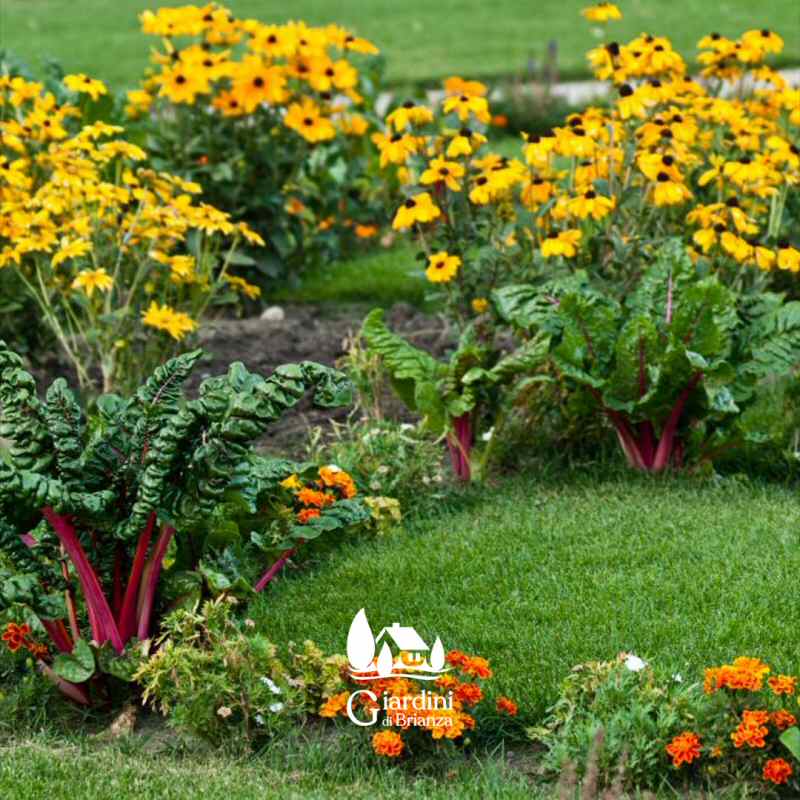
x=77, y=666
x=790, y=739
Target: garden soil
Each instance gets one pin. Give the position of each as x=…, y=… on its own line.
x=306, y=333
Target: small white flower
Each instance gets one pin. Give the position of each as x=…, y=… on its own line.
x=375, y=485
x=224, y=712
x=635, y=664
x=382, y=469
x=271, y=685
x=407, y=426
x=334, y=468
x=259, y=719
x=487, y=437
x=677, y=677
x=276, y=708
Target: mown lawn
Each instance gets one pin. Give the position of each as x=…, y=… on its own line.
x=381, y=278
x=537, y=573
x=541, y=574
x=421, y=40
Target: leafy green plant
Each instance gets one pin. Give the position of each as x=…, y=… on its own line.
x=220, y=678
x=683, y=366
x=450, y=396
x=86, y=502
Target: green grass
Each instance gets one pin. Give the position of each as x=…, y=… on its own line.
x=422, y=40
x=538, y=575
x=382, y=278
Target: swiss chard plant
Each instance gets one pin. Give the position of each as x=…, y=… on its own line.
x=452, y=395
x=94, y=510
x=683, y=367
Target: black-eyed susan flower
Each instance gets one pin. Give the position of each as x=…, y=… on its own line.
x=464, y=105
x=440, y=170
x=83, y=84
x=668, y=192
x=764, y=257
x=419, y=208
x=409, y=114
x=464, y=143
x=181, y=84
x=442, y=267
x=602, y=12
x=306, y=118
x=165, y=318
x=764, y=40
x=256, y=82
x=396, y=148
x=591, y=204
x=561, y=243
x=457, y=85
x=788, y=256
x=88, y=280
x=736, y=247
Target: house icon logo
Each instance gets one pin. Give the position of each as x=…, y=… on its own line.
x=403, y=652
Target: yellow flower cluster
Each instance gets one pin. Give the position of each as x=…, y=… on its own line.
x=93, y=234
x=238, y=66
x=670, y=156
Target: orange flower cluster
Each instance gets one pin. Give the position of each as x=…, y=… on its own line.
x=684, y=748
x=333, y=484
x=18, y=636
x=746, y=674
x=474, y=666
x=752, y=730
x=407, y=705
x=756, y=729
x=388, y=743
x=783, y=684
x=507, y=706
x=777, y=770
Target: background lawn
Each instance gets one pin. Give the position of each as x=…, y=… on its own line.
x=541, y=574
x=421, y=39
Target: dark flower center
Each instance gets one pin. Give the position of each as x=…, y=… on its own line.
x=667, y=161
x=662, y=177
x=258, y=82
x=410, y=203
x=719, y=228
x=625, y=90
x=732, y=202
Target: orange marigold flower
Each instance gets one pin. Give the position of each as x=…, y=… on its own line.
x=306, y=514
x=684, y=748
x=783, y=684
x=783, y=719
x=752, y=730
x=469, y=693
x=777, y=771
x=455, y=658
x=14, y=635
x=388, y=743
x=507, y=706
x=744, y=674
x=476, y=667
x=334, y=705
x=311, y=497
x=41, y=651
